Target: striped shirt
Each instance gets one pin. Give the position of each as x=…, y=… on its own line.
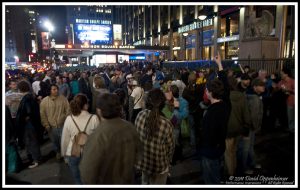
x=158, y=150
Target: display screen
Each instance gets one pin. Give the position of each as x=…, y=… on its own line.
x=93, y=34
x=111, y=59
x=122, y=58
x=139, y=57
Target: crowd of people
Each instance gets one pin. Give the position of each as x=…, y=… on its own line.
x=136, y=116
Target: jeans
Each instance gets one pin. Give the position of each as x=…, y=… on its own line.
x=73, y=163
x=176, y=135
x=31, y=142
x=291, y=118
x=245, y=154
x=192, y=130
x=211, y=170
x=55, y=137
x=135, y=112
x=154, y=178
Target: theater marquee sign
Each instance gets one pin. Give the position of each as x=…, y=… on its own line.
x=196, y=25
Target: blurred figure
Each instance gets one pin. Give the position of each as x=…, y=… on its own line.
x=54, y=110
x=28, y=124
x=287, y=85
x=176, y=110
x=85, y=88
x=112, y=151
x=156, y=134
x=244, y=85
x=136, y=100
x=86, y=122
x=214, y=129
x=238, y=125
x=255, y=106
x=74, y=84
x=12, y=157
x=98, y=89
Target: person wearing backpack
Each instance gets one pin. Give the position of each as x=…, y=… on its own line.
x=77, y=128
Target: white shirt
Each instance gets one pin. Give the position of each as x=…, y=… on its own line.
x=36, y=87
x=138, y=99
x=70, y=130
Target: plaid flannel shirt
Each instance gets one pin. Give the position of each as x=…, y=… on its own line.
x=157, y=151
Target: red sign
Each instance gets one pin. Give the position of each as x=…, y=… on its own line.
x=45, y=41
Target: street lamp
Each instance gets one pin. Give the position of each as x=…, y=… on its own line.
x=185, y=34
x=202, y=18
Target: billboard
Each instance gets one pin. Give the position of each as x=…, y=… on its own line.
x=117, y=31
x=122, y=58
x=190, y=41
x=93, y=34
x=103, y=58
x=137, y=57
x=208, y=37
x=45, y=41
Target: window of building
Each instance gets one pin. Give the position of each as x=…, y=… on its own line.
x=230, y=24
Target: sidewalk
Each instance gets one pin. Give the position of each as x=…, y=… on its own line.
x=275, y=152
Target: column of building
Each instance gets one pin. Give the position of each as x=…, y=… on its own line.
x=170, y=35
x=217, y=30
x=182, y=38
x=280, y=28
x=197, y=44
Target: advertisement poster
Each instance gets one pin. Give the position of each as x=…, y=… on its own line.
x=45, y=41
x=117, y=31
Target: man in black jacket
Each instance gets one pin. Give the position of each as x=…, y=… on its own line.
x=214, y=126
x=85, y=88
x=28, y=122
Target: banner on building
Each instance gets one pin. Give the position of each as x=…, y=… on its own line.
x=191, y=41
x=117, y=31
x=208, y=37
x=45, y=41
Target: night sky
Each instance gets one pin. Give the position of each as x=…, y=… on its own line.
x=57, y=16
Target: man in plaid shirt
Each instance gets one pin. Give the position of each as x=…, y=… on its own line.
x=156, y=136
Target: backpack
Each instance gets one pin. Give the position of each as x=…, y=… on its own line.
x=79, y=140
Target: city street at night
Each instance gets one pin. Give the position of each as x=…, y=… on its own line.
x=178, y=94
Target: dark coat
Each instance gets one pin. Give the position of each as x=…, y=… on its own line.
x=110, y=153
x=239, y=121
x=214, y=124
x=85, y=88
x=28, y=108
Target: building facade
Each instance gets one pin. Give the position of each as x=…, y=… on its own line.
x=20, y=33
x=226, y=29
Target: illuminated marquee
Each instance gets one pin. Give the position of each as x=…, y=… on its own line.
x=107, y=47
x=90, y=21
x=195, y=25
